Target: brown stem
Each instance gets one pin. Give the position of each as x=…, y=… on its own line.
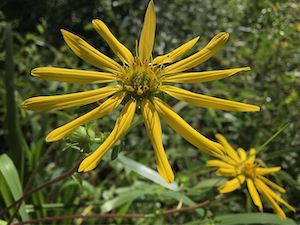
x=117, y=215
x=78, y=216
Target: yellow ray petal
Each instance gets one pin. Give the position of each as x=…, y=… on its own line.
x=227, y=159
x=121, y=127
x=265, y=171
x=251, y=156
x=88, y=53
x=195, y=77
x=226, y=172
x=232, y=184
x=118, y=48
x=272, y=184
x=254, y=194
x=227, y=147
x=152, y=124
x=106, y=107
x=185, y=130
x=176, y=53
x=207, y=101
x=218, y=163
x=148, y=33
x=43, y=103
x=269, y=198
x=274, y=195
x=72, y=76
x=199, y=57
x=242, y=154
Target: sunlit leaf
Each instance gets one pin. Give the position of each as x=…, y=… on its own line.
x=11, y=177
x=146, y=172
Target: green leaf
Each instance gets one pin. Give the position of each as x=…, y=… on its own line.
x=122, y=199
x=146, y=172
x=253, y=218
x=209, y=183
x=5, y=192
x=11, y=177
x=205, y=186
x=2, y=222
x=123, y=210
x=13, y=130
x=115, y=152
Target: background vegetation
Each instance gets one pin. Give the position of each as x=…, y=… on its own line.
x=265, y=35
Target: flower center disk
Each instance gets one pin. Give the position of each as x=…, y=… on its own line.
x=140, y=81
x=248, y=169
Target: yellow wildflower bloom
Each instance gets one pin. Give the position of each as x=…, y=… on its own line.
x=243, y=167
x=138, y=78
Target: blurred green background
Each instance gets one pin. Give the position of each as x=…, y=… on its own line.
x=264, y=35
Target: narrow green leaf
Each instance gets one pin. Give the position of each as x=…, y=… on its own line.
x=6, y=194
x=262, y=147
x=253, y=218
x=13, y=137
x=115, y=152
x=121, y=200
x=145, y=172
x=11, y=177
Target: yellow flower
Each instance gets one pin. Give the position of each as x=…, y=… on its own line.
x=243, y=167
x=138, y=78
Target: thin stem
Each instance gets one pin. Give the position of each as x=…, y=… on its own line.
x=80, y=216
x=118, y=215
x=184, y=209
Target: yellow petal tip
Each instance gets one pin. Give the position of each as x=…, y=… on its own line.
x=168, y=180
x=34, y=72
x=80, y=169
x=255, y=108
x=221, y=191
x=23, y=105
x=95, y=22
x=224, y=35
x=89, y=163
x=219, y=135
x=50, y=138
x=82, y=166
x=63, y=31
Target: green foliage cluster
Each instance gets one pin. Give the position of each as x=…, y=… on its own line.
x=265, y=35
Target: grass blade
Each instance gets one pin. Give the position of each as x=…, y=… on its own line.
x=13, y=137
x=11, y=177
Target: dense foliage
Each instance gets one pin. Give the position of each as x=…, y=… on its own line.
x=264, y=35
